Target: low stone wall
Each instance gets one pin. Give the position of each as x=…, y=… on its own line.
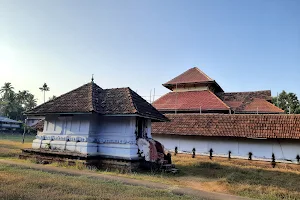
x=46, y=156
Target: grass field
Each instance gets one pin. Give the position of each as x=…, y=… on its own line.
x=16, y=183
x=256, y=179
x=11, y=144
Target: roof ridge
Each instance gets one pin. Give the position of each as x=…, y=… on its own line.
x=203, y=73
x=91, y=97
x=129, y=91
x=219, y=99
x=115, y=88
x=248, y=91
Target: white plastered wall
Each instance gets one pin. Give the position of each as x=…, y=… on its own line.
x=66, y=133
x=115, y=136
x=260, y=148
x=112, y=136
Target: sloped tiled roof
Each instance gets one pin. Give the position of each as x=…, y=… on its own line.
x=224, y=125
x=250, y=102
x=79, y=100
x=190, y=100
x=241, y=96
x=261, y=106
x=126, y=101
x=193, y=75
x=91, y=98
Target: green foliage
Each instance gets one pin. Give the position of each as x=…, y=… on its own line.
x=194, y=153
x=288, y=102
x=48, y=145
x=13, y=104
x=211, y=153
x=250, y=156
x=273, y=160
x=52, y=98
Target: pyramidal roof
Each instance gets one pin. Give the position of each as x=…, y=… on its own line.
x=90, y=98
x=193, y=75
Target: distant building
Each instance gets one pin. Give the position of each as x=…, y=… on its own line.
x=195, y=92
x=204, y=117
x=7, y=124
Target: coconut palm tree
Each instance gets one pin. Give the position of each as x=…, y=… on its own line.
x=44, y=89
x=6, y=89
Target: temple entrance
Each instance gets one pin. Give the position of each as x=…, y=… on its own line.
x=140, y=126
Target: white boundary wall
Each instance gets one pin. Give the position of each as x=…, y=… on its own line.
x=239, y=147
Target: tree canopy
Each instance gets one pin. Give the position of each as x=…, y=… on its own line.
x=13, y=104
x=288, y=102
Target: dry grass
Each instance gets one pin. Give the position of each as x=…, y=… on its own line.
x=11, y=145
x=16, y=183
x=256, y=179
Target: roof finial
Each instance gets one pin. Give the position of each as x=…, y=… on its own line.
x=92, y=78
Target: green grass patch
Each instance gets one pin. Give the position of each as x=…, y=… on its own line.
x=16, y=137
x=17, y=183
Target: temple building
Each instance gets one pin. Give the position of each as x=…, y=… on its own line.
x=193, y=92
x=97, y=124
x=204, y=117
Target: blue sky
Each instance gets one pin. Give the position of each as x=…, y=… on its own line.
x=243, y=45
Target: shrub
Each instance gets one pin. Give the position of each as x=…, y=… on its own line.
x=194, y=153
x=273, y=163
x=211, y=153
x=250, y=156
x=48, y=145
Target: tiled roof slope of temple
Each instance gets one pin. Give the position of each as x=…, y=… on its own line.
x=222, y=125
x=193, y=90
x=91, y=98
x=191, y=100
x=250, y=102
x=240, y=96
